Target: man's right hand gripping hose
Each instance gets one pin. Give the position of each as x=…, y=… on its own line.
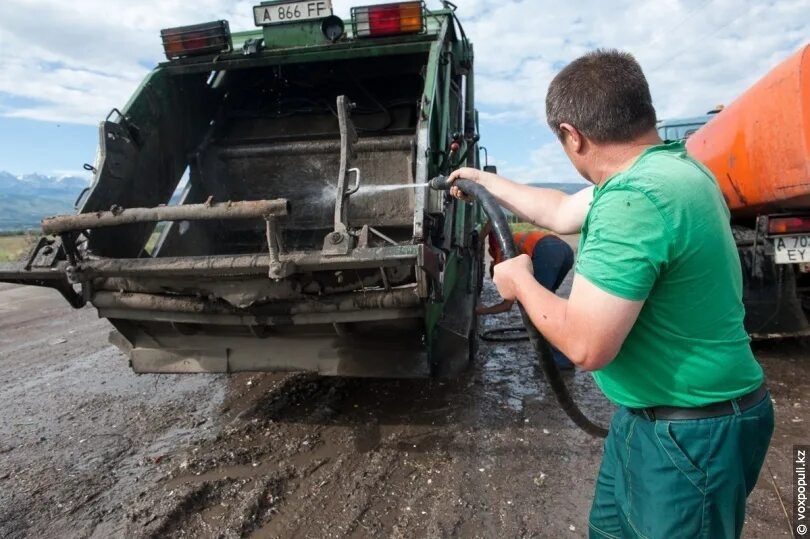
x=503, y=234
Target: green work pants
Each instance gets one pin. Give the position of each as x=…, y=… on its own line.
x=672, y=479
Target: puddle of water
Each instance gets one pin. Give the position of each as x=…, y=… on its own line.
x=511, y=374
x=178, y=438
x=512, y=370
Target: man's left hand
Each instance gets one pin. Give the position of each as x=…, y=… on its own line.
x=509, y=272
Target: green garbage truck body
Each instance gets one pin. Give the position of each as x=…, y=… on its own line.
x=303, y=236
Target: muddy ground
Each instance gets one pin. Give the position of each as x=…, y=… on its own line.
x=89, y=449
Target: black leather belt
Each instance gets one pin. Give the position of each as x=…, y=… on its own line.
x=717, y=409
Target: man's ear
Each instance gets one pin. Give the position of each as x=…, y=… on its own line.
x=572, y=138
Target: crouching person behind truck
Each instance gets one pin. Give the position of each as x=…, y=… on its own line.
x=552, y=259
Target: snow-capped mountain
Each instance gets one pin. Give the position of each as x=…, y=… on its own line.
x=10, y=183
x=26, y=199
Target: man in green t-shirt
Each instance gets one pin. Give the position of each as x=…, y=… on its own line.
x=655, y=310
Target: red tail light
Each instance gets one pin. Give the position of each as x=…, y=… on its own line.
x=388, y=19
x=197, y=39
x=788, y=225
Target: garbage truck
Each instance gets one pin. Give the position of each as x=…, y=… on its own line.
x=304, y=236
x=758, y=148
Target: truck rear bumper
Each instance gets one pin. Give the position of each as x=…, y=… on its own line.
x=376, y=334
x=321, y=351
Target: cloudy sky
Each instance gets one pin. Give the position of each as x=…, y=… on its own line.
x=65, y=64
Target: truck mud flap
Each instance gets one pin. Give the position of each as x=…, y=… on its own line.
x=773, y=307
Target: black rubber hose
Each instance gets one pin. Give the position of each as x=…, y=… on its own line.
x=500, y=227
x=505, y=334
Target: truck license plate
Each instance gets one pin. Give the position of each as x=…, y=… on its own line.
x=282, y=12
x=792, y=249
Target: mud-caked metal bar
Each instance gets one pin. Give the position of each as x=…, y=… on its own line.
x=224, y=265
x=246, y=209
x=340, y=242
x=19, y=272
x=370, y=300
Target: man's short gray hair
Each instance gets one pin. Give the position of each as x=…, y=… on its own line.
x=603, y=94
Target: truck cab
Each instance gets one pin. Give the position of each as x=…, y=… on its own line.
x=682, y=128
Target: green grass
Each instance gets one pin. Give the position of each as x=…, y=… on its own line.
x=153, y=239
x=523, y=227
x=15, y=247
x=151, y=243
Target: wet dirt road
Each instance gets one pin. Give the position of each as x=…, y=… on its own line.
x=88, y=449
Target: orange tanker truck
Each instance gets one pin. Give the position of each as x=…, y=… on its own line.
x=758, y=148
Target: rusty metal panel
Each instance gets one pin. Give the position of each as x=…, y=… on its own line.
x=307, y=177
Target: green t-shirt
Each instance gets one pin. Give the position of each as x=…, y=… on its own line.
x=659, y=232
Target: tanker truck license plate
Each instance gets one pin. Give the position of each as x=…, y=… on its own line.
x=792, y=249
x=282, y=12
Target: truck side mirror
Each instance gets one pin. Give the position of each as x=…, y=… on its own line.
x=491, y=168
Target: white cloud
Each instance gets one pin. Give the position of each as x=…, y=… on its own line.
x=546, y=163
x=696, y=53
